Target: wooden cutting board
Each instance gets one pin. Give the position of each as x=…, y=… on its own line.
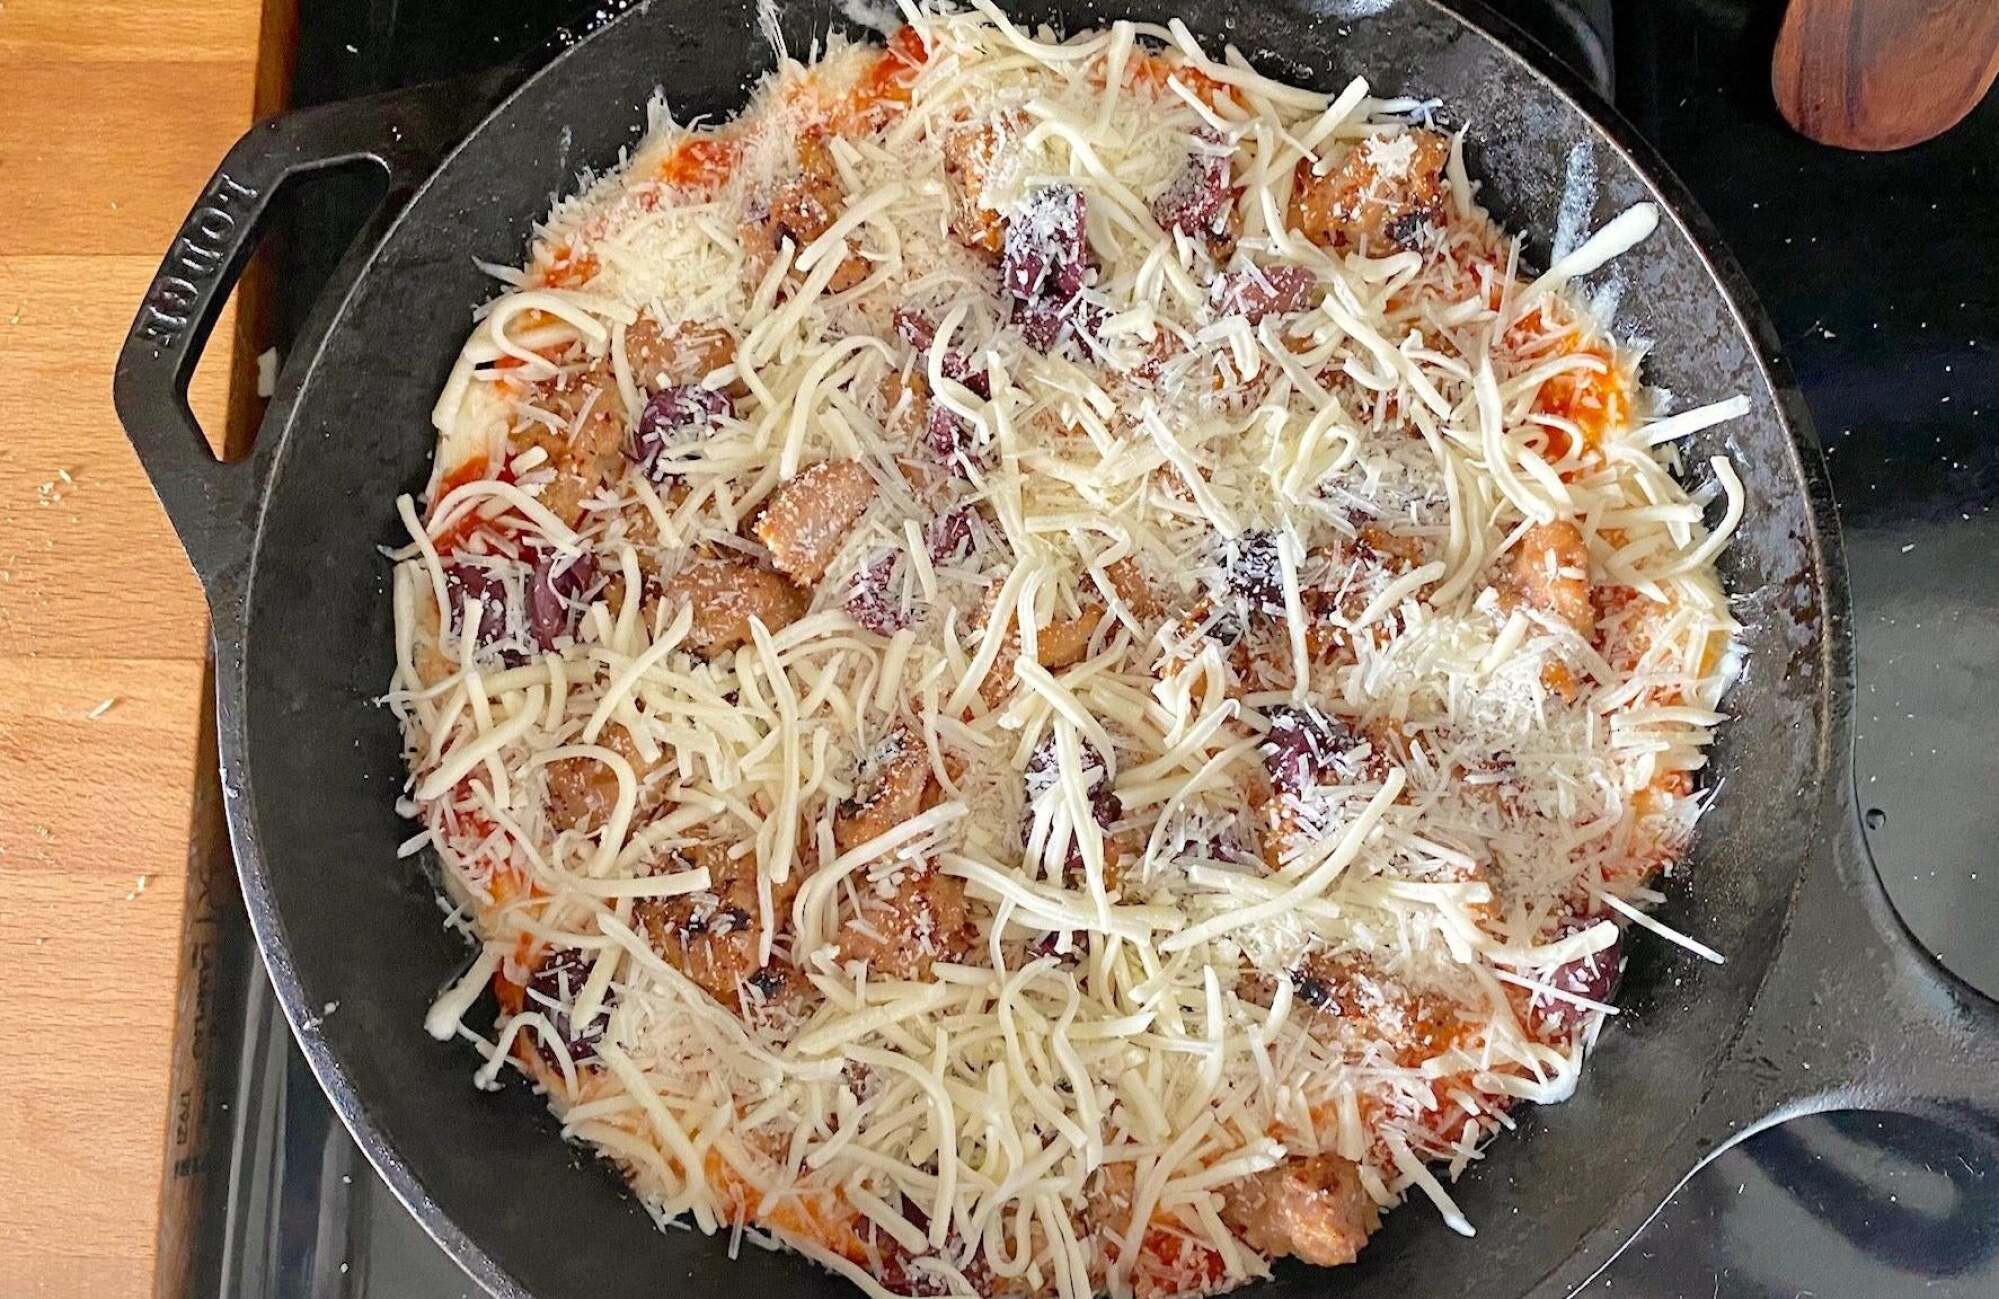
x=112, y=114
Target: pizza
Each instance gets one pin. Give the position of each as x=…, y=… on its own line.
x=1044, y=666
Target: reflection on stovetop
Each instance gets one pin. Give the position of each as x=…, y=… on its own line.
x=1876, y=273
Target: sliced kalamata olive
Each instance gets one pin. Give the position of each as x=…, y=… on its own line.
x=1042, y=324
x=980, y=382
x=1406, y=230
x=1045, y=255
x=1594, y=976
x=1223, y=628
x=948, y=534
x=1253, y=572
x=901, y=1274
x=1045, y=322
x=919, y=332
x=1232, y=842
x=1314, y=991
x=951, y=437
x=769, y=983
x=673, y=416
x=1066, y=945
x=1304, y=747
x=1200, y=197
x=915, y=328
x=553, y=587
x=1263, y=291
x=552, y=990
x=1043, y=770
x=1106, y=808
x=464, y=582
x=871, y=600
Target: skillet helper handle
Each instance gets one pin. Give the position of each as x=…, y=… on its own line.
x=1853, y=1014
x=213, y=504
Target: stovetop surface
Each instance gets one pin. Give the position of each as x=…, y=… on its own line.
x=1877, y=271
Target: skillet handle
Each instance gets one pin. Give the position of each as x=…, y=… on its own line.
x=1853, y=1014
x=213, y=504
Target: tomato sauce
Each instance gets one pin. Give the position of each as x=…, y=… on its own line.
x=885, y=89
x=1170, y=1263
x=823, y=1219
x=1149, y=72
x=503, y=526
x=568, y=268
x=702, y=163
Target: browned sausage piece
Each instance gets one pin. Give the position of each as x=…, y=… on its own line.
x=1129, y=581
x=1312, y=1207
x=1057, y=645
x=923, y=919
x=808, y=517
x=726, y=592
x=971, y=154
x=1063, y=644
x=1370, y=204
x=582, y=791
x=679, y=356
x=801, y=209
x=893, y=782
x=1401, y=552
x=713, y=937
x=588, y=450
x=1550, y=572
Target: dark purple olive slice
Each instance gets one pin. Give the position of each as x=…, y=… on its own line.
x=1046, y=322
x=552, y=990
x=917, y=329
x=1594, y=976
x=1305, y=747
x=1199, y=199
x=1044, y=770
x=463, y=582
x=553, y=588
x=673, y=417
x=871, y=600
x=948, y=534
x=1044, y=254
x=1263, y=291
x=1253, y=572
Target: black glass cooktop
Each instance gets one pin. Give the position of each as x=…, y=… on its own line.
x=1878, y=272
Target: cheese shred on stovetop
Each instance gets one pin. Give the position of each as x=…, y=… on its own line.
x=1045, y=668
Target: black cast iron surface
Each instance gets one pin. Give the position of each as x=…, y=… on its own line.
x=1848, y=1194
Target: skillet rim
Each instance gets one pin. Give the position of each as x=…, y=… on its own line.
x=1824, y=557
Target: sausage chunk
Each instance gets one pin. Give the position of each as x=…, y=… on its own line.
x=973, y=154
x=679, y=356
x=1059, y=644
x=1312, y=1208
x=1383, y=197
x=582, y=791
x=801, y=209
x=588, y=450
x=913, y=915
x=894, y=783
x=713, y=937
x=1128, y=579
x=726, y=592
x=903, y=927
x=1550, y=572
x=808, y=517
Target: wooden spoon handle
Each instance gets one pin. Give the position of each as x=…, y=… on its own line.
x=1883, y=74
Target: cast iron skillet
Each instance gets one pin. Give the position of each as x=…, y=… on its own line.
x=1825, y=1001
